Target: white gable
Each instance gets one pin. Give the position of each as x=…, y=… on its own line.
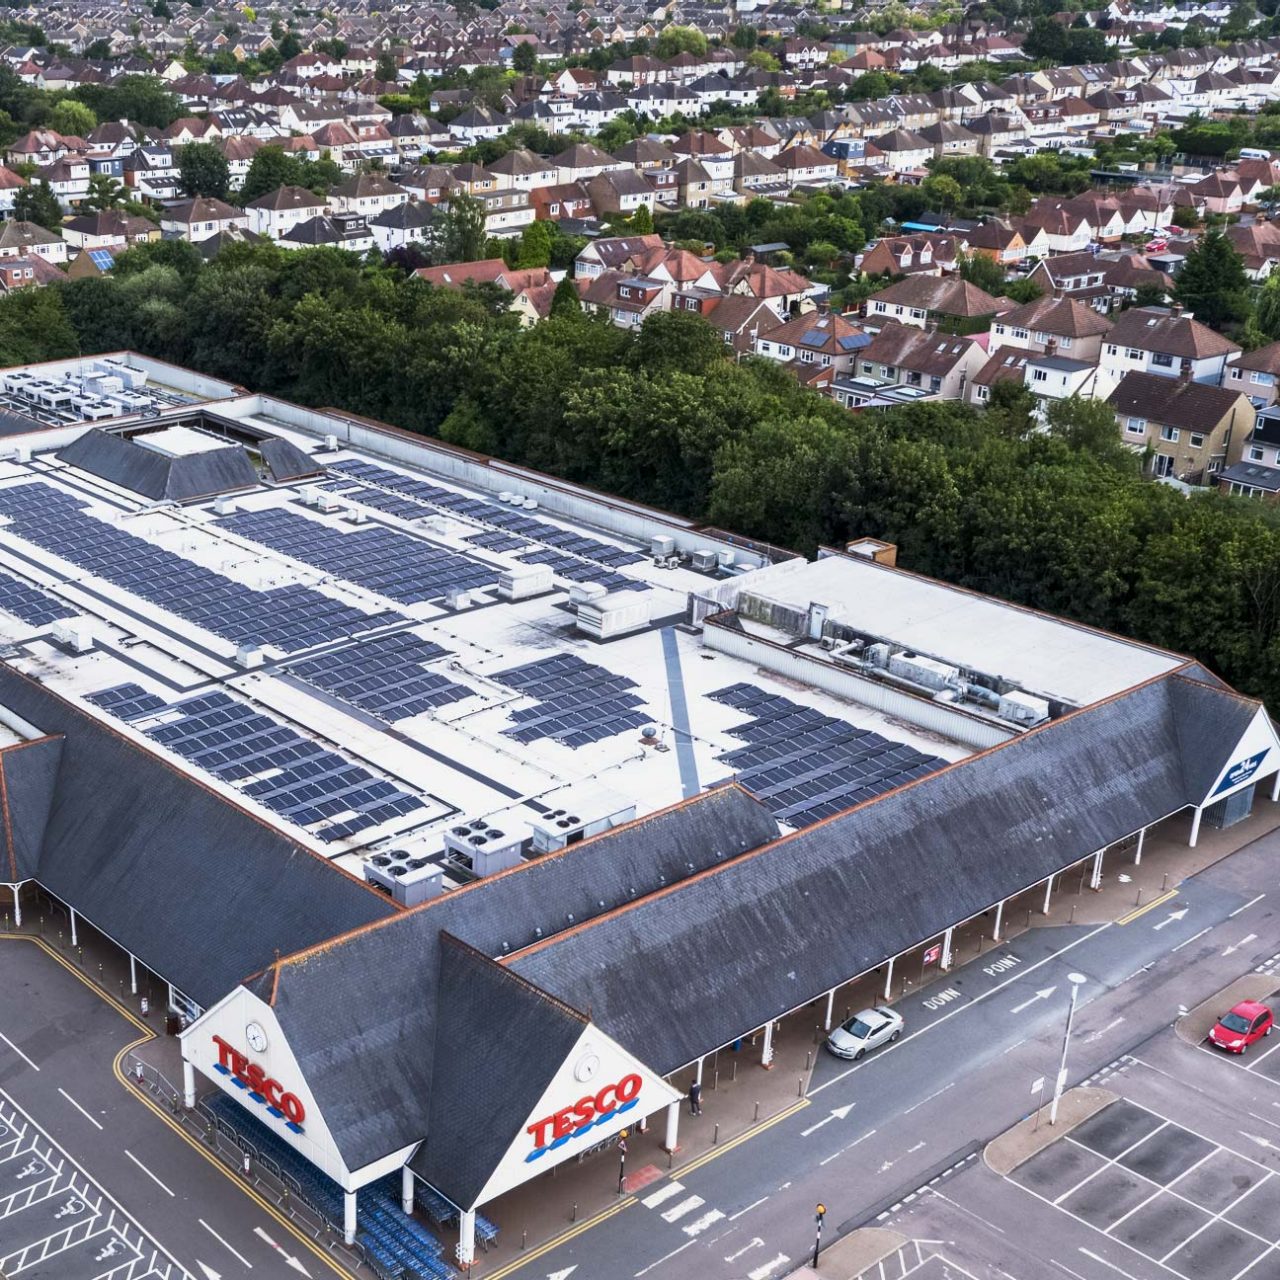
x=1256, y=754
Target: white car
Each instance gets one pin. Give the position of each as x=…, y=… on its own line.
x=866, y=1030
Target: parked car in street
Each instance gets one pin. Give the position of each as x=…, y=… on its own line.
x=1237, y=1030
x=865, y=1031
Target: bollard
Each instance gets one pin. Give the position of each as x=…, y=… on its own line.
x=573, y=1217
x=80, y=956
x=800, y=1088
x=808, y=1060
x=1138, y=901
x=671, y=1157
x=757, y=1115
x=1072, y=920
x=99, y=972
x=1028, y=917
x=733, y=1070
x=1164, y=884
x=524, y=1237
x=715, y=1137
x=981, y=940
x=715, y=1079
x=59, y=937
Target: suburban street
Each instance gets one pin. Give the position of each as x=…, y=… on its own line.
x=875, y=1132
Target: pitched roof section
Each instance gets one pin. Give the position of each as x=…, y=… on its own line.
x=157, y=475
x=1173, y=402
x=28, y=776
x=1154, y=329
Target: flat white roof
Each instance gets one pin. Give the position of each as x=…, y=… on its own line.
x=1041, y=654
x=180, y=441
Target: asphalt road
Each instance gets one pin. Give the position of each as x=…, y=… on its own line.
x=95, y=1158
x=875, y=1132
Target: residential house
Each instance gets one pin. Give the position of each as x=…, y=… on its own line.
x=108, y=229
x=903, y=355
x=1256, y=374
x=348, y=231
x=955, y=305
x=411, y=222
x=1253, y=465
x=366, y=193
x=1064, y=325
x=823, y=340
x=1165, y=343
x=19, y=239
x=279, y=211
x=628, y=300
x=201, y=218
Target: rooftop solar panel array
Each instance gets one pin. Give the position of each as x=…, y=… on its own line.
x=126, y=701
x=292, y=775
x=807, y=766
x=564, y=566
x=292, y=617
x=577, y=701
x=393, y=564
x=385, y=675
x=514, y=520
x=30, y=604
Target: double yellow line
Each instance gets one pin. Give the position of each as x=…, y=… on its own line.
x=118, y=1071
x=1151, y=906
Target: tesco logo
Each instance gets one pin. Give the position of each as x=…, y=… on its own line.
x=590, y=1110
x=262, y=1089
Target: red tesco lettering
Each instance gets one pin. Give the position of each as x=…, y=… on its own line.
x=256, y=1079
x=590, y=1107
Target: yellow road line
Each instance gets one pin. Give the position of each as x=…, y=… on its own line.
x=1151, y=906
x=563, y=1238
x=149, y=1034
x=687, y=1169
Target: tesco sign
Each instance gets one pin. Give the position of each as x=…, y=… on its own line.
x=590, y=1110
x=262, y=1089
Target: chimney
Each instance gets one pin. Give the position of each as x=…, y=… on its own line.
x=1176, y=310
x=1051, y=347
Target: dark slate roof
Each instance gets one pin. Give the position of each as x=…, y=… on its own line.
x=285, y=461
x=748, y=941
x=28, y=772
x=158, y=476
x=197, y=888
x=541, y=1030
x=322, y=997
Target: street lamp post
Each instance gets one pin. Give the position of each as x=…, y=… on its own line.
x=622, y=1161
x=819, y=1214
x=1077, y=980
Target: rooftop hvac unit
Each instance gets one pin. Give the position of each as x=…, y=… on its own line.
x=531, y=504
x=22, y=453
x=73, y=634
x=587, y=811
x=457, y=598
x=525, y=582
x=223, y=506
x=331, y=444
x=409, y=880
x=878, y=654
x=618, y=613
x=724, y=558
x=928, y=672
x=356, y=516
x=1022, y=708
x=326, y=502
x=506, y=496
x=828, y=642
x=581, y=592
x=249, y=656
x=486, y=848
x=310, y=497
x=662, y=546
x=704, y=560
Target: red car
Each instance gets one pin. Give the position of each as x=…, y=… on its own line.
x=1237, y=1030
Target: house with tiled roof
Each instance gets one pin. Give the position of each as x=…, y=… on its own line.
x=1165, y=343
x=1068, y=326
x=817, y=339
x=952, y=304
x=941, y=364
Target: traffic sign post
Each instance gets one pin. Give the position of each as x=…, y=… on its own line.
x=819, y=1214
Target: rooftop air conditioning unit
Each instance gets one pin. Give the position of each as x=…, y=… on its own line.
x=524, y=582
x=331, y=444
x=486, y=848
x=704, y=560
x=1022, y=708
x=506, y=496
x=326, y=502
x=223, y=506
x=457, y=598
x=661, y=546
x=249, y=655
x=356, y=516
x=73, y=634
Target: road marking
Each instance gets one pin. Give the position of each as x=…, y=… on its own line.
x=755, y=1204
x=148, y=1172
x=685, y=1206
x=1235, y=946
x=937, y=1093
x=848, y=1147
x=756, y=1243
x=666, y=1257
x=1151, y=906
x=18, y=1051
x=837, y=1113
x=563, y=1238
x=955, y=1204
x=1232, y=914
x=1102, y=1031
x=663, y=1193
x=763, y=1273
x=726, y=1147
x=290, y=1260
x=224, y=1244
x=883, y=1054
x=1043, y=994
x=1171, y=918
x=1186, y=942
x=79, y=1108
x=1088, y=1253
x=699, y=1225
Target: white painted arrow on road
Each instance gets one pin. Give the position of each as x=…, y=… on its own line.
x=562, y=1275
x=290, y=1260
x=1042, y=994
x=1261, y=1141
x=1169, y=919
x=1244, y=942
x=757, y=1243
x=209, y=1272
x=837, y=1113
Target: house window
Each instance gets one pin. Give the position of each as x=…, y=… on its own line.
x=917, y=314
x=1064, y=343
x=1197, y=441
x=1111, y=350
x=1000, y=328
x=1133, y=354
x=1258, y=376
x=935, y=384
x=880, y=307
x=1136, y=426
x=1163, y=361
x=1215, y=464
x=867, y=367
x=1039, y=375
x=1255, y=454
x=806, y=357
x=1170, y=434
x=983, y=392
x=1020, y=333
x=1236, y=373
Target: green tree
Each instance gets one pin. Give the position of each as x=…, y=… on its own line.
x=1046, y=41
x=524, y=58
x=642, y=221
x=203, y=170
x=565, y=301
x=271, y=168
x=462, y=229
x=985, y=272
x=386, y=69
x=1212, y=283
x=98, y=50
x=289, y=46
x=37, y=203
x=1090, y=425
x=534, y=249
x=72, y=119
x=674, y=39
x=104, y=193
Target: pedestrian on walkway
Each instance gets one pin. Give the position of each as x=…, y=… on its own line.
x=695, y=1098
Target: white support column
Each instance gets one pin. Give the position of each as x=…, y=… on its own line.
x=74, y=939
x=946, y=949
x=673, y=1127
x=406, y=1189
x=1095, y=876
x=1275, y=788
x=467, y=1239
x=995, y=933
x=349, y=1217
x=188, y=1085
x=697, y=1071
x=133, y=975
x=172, y=1001
x=888, y=979
x=766, y=1054
x=1048, y=893
x=17, y=909
x=831, y=997
x=1142, y=835
x=1195, y=827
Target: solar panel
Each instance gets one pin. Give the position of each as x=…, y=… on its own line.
x=575, y=701
x=30, y=604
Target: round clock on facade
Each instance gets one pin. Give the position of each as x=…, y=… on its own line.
x=586, y=1067
x=256, y=1038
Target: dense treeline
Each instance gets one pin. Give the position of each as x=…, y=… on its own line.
x=1060, y=521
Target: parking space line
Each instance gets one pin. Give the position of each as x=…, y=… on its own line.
x=79, y=1108
x=18, y=1051
x=1266, y=1053
x=224, y=1244
x=1110, y=1160
x=1212, y=1141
